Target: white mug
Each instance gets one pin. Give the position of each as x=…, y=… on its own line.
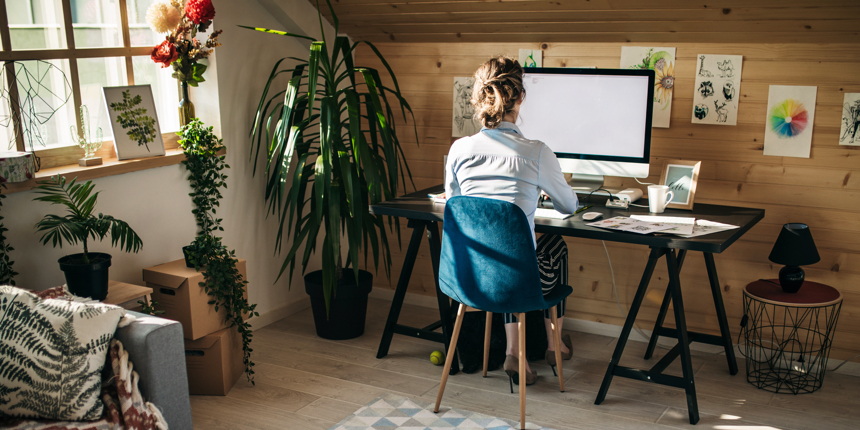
x=659, y=196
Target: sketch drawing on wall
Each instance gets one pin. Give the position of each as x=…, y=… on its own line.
x=463, y=123
x=790, y=115
x=702, y=72
x=531, y=58
x=662, y=62
x=850, y=133
x=726, y=68
x=721, y=91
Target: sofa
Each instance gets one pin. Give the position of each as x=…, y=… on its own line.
x=157, y=349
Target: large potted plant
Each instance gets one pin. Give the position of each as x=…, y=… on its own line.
x=87, y=272
x=331, y=150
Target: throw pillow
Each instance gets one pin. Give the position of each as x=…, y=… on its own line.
x=51, y=355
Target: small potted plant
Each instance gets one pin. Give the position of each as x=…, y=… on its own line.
x=87, y=272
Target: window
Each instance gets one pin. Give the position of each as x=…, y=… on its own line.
x=70, y=49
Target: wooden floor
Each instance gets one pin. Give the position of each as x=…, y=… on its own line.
x=304, y=382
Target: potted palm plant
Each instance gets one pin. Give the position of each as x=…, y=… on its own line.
x=87, y=272
x=331, y=150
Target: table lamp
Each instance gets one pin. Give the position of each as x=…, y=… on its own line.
x=794, y=248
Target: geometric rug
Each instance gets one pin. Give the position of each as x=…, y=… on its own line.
x=390, y=412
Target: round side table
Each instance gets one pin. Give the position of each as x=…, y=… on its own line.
x=788, y=335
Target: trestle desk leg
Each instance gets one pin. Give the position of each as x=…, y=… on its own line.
x=402, y=285
x=721, y=313
x=683, y=339
x=664, y=309
x=655, y=255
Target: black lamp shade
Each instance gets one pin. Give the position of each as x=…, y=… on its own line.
x=794, y=246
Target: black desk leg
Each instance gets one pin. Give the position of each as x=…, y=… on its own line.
x=402, y=285
x=664, y=309
x=445, y=310
x=683, y=339
x=655, y=255
x=721, y=313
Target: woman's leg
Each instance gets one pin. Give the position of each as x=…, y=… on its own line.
x=512, y=335
x=552, y=263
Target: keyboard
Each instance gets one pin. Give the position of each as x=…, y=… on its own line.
x=550, y=213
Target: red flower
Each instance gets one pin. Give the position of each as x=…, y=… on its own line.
x=164, y=54
x=200, y=11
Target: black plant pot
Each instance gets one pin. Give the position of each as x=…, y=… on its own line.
x=348, y=308
x=87, y=280
x=186, y=252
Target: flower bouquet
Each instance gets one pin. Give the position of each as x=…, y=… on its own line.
x=180, y=48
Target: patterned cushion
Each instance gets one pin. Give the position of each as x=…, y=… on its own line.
x=51, y=355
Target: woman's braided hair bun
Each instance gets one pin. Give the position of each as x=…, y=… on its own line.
x=498, y=87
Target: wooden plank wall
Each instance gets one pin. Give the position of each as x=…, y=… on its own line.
x=821, y=191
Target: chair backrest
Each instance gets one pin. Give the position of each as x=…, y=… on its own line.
x=488, y=256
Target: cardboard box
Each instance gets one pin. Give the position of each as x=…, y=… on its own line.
x=177, y=290
x=214, y=362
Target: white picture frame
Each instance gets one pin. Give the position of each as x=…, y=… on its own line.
x=681, y=176
x=134, y=121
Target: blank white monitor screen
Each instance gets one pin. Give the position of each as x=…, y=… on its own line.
x=597, y=121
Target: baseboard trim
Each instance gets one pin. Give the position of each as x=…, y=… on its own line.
x=278, y=314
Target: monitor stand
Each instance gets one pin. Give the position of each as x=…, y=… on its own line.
x=585, y=185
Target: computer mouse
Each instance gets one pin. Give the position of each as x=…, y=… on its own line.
x=589, y=216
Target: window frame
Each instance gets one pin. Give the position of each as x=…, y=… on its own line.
x=55, y=157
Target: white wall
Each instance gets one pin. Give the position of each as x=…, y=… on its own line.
x=155, y=202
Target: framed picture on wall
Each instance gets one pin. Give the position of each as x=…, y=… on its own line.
x=136, y=133
x=681, y=176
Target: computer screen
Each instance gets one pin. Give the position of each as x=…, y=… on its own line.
x=597, y=121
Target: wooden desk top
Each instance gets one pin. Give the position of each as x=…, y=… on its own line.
x=120, y=292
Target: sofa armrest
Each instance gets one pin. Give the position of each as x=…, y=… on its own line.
x=157, y=349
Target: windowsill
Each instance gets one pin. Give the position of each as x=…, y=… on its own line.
x=110, y=166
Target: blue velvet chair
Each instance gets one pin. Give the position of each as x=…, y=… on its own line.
x=488, y=263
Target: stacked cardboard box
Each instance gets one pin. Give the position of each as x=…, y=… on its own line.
x=213, y=352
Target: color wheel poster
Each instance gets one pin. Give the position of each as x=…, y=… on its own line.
x=662, y=62
x=788, y=127
x=718, y=86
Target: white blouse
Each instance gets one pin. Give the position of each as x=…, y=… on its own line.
x=502, y=164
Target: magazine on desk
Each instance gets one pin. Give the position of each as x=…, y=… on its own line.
x=678, y=226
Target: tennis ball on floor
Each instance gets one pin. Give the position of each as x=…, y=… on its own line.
x=437, y=358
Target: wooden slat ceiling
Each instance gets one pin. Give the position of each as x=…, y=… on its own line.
x=727, y=21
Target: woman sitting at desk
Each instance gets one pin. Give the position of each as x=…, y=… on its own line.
x=500, y=163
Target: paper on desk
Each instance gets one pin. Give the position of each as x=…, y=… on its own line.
x=631, y=225
x=680, y=225
x=704, y=227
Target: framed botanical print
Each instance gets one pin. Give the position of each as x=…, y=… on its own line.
x=136, y=133
x=681, y=177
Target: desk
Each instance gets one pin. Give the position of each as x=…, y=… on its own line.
x=120, y=293
x=423, y=214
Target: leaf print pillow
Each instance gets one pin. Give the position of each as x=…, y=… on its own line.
x=51, y=355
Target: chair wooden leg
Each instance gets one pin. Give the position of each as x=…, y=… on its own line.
x=556, y=337
x=487, y=331
x=450, y=358
x=522, y=326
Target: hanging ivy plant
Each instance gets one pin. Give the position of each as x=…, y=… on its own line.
x=7, y=274
x=222, y=279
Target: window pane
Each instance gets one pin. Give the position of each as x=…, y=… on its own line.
x=96, y=23
x=95, y=73
x=139, y=31
x=45, y=106
x=36, y=24
x=165, y=90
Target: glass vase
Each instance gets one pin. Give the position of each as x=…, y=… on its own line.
x=186, y=108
